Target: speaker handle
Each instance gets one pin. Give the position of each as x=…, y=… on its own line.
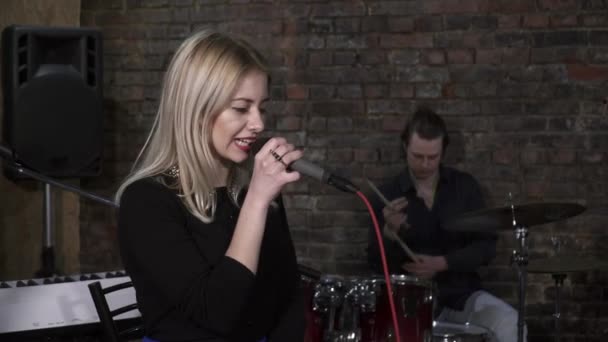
x=7, y=155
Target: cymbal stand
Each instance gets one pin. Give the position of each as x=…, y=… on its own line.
x=520, y=257
x=559, y=282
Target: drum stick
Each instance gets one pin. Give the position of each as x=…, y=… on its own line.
x=388, y=232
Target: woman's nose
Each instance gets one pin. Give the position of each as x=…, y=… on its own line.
x=256, y=122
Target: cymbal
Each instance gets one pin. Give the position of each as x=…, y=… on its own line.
x=564, y=264
x=490, y=220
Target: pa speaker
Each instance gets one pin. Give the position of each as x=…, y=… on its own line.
x=52, y=81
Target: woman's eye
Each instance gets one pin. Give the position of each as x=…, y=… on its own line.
x=242, y=110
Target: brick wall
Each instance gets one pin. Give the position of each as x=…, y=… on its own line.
x=520, y=83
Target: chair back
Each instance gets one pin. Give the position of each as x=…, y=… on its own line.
x=113, y=330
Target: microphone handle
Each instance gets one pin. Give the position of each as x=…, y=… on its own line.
x=309, y=169
x=342, y=183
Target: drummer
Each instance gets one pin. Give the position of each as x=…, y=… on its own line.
x=423, y=196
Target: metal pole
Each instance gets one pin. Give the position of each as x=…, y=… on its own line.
x=521, y=257
x=523, y=279
x=47, y=205
x=48, y=253
x=559, y=281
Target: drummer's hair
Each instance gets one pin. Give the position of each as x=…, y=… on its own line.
x=428, y=125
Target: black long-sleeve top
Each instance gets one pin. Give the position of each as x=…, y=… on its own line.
x=187, y=288
x=457, y=192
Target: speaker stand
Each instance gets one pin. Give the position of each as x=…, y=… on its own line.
x=48, y=251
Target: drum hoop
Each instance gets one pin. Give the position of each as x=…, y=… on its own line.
x=331, y=277
x=409, y=279
x=459, y=330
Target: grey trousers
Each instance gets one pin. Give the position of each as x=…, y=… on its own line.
x=486, y=311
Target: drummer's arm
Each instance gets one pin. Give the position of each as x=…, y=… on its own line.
x=477, y=253
x=394, y=254
x=481, y=248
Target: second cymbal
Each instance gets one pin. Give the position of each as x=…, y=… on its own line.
x=490, y=220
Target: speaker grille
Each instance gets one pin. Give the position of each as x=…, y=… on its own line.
x=53, y=115
x=22, y=59
x=91, y=61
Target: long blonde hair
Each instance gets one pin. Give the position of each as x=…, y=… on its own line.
x=198, y=85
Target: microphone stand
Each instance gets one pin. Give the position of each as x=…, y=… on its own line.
x=48, y=253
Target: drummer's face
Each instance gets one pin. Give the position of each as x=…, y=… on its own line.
x=424, y=156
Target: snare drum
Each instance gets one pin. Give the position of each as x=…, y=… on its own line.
x=327, y=304
x=314, y=328
x=413, y=300
x=452, y=332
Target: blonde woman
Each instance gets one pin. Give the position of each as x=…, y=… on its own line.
x=202, y=229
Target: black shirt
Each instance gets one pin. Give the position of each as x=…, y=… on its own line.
x=457, y=192
x=188, y=289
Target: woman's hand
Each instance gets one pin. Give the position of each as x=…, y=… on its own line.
x=270, y=169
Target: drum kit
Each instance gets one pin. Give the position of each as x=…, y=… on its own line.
x=342, y=308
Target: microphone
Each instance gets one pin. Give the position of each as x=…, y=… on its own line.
x=312, y=170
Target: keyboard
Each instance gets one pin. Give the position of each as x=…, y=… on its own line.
x=58, y=303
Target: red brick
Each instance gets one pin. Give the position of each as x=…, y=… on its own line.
x=595, y=20
x=460, y=56
x=453, y=6
x=342, y=155
x=591, y=157
x=516, y=56
x=536, y=21
x=509, y=21
x=319, y=58
x=365, y=154
x=562, y=156
x=558, y=5
x=533, y=156
x=419, y=40
x=578, y=72
x=392, y=123
x=297, y=92
x=488, y=56
x=563, y=20
x=375, y=91
x=289, y=123
x=449, y=90
x=402, y=91
x=433, y=56
x=476, y=39
x=504, y=155
x=516, y=6
x=398, y=24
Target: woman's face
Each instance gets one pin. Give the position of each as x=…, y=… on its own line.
x=236, y=128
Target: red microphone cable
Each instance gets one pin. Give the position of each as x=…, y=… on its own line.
x=387, y=277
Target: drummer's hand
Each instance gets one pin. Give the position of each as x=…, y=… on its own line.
x=427, y=266
x=394, y=214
